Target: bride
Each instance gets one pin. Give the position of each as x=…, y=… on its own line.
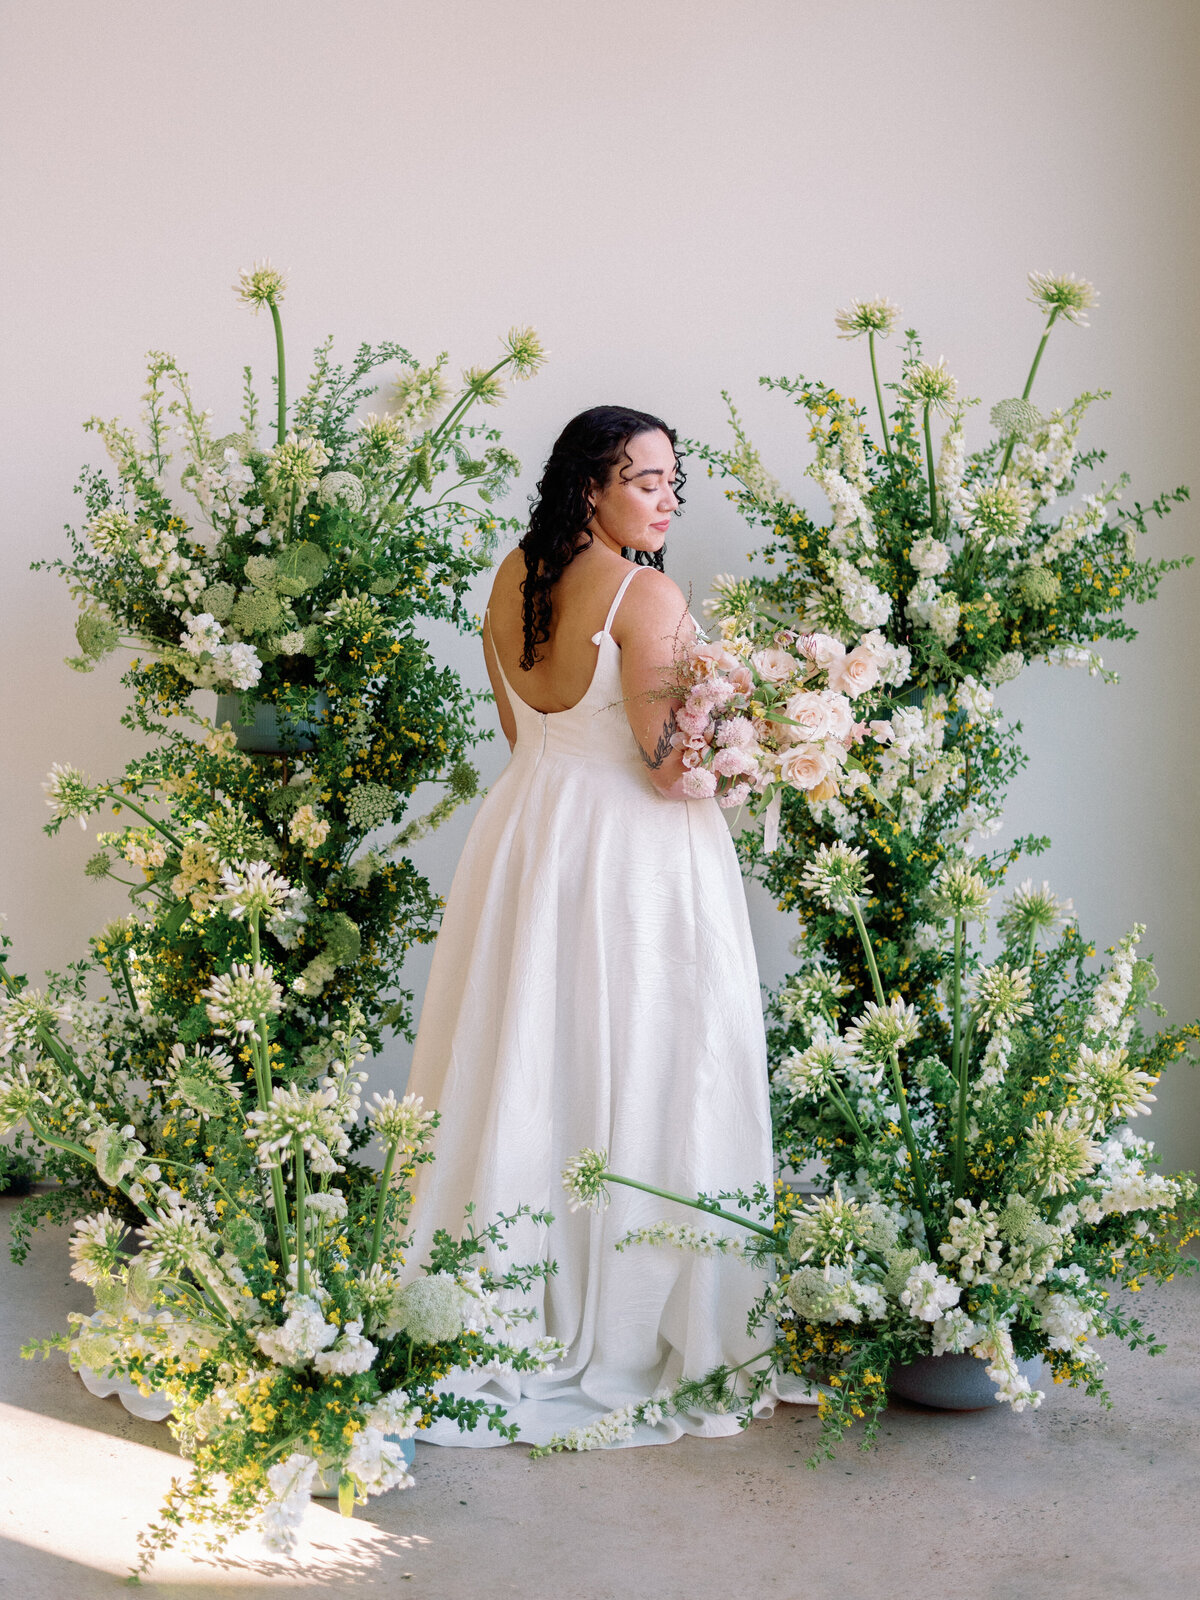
x=594, y=982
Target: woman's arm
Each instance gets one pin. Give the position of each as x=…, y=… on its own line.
x=508, y=722
x=652, y=628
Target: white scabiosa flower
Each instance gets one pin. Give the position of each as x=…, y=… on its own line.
x=1063, y=295
x=877, y=316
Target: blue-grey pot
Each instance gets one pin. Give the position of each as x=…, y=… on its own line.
x=261, y=735
x=954, y=1383
x=325, y=1484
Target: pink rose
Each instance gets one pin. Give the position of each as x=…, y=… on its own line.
x=699, y=784
x=804, y=766
x=776, y=666
x=854, y=672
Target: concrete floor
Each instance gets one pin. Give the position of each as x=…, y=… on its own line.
x=1071, y=1502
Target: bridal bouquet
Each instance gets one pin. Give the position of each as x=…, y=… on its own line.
x=765, y=707
x=266, y=1294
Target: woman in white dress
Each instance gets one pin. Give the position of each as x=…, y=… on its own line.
x=594, y=982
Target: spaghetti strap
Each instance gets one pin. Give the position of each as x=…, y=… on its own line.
x=617, y=598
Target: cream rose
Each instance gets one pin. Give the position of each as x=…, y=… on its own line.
x=810, y=713
x=804, y=766
x=840, y=714
x=776, y=666
x=855, y=672
x=821, y=648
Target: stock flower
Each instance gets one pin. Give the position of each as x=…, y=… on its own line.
x=837, y=875
x=1063, y=295
x=375, y=1463
x=1108, y=1087
x=867, y=316
x=96, y=1247
x=583, y=1179
x=251, y=889
x=352, y=1353
x=929, y=556
x=932, y=385
x=70, y=794
x=1058, y=1153
x=959, y=891
x=880, y=1030
x=679, y=1236
x=303, y=1332
x=238, y=1000
x=1002, y=995
x=290, y=1483
x=928, y=1293
x=401, y=1122
x=260, y=285
x=525, y=351
x=304, y=1117
x=1033, y=909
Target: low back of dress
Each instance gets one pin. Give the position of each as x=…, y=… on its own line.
x=594, y=986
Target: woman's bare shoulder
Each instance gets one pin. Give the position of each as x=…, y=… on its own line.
x=654, y=594
x=509, y=576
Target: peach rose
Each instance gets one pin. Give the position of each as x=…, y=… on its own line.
x=810, y=714
x=821, y=648
x=804, y=766
x=841, y=717
x=742, y=680
x=854, y=672
x=825, y=790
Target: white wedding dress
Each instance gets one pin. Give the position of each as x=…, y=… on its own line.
x=594, y=985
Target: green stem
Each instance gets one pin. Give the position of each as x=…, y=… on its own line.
x=123, y=800
x=262, y=1082
x=381, y=1204
x=281, y=370
x=709, y=1211
x=1025, y=393
x=956, y=1054
x=887, y=443
x=914, y=1155
x=871, y=962
x=844, y=1106
x=929, y=471
x=301, y=1241
x=128, y=982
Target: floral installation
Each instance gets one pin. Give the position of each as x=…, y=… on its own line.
x=298, y=570
x=266, y=1294
x=971, y=1116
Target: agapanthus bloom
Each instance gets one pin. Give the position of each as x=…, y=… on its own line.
x=809, y=1072
x=238, y=1000
x=201, y=1078
x=304, y=1117
x=996, y=514
x=251, y=889
x=959, y=891
x=19, y=1095
x=1109, y=1088
x=1002, y=995
x=176, y=1238
x=1033, y=909
x=525, y=350
x=295, y=467
x=260, y=285
x=96, y=1247
x=117, y=1151
x=1063, y=295
x=583, y=1179
x=70, y=794
x=23, y=1017
x=931, y=384
x=483, y=385
x=401, y=1122
x=111, y=533
x=829, y=1228
x=880, y=1030
x=836, y=875
x=867, y=316
x=1058, y=1152
x=422, y=393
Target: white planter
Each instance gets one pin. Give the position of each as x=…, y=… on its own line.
x=150, y=1407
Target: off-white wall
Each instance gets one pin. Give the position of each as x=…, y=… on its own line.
x=677, y=193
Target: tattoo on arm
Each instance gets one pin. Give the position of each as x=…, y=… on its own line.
x=664, y=746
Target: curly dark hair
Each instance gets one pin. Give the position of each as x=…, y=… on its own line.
x=585, y=451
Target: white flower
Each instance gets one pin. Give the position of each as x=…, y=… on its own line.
x=928, y=1293
x=405, y=1123
x=880, y=1030
x=303, y=1333
x=931, y=608
x=973, y=1248
x=583, y=1179
x=239, y=999
x=867, y=316
x=836, y=875
x=308, y=828
x=929, y=556
x=251, y=889
x=1063, y=295
x=996, y=1348
x=430, y=1310
x=377, y=1464
x=241, y=666
x=931, y=383
x=70, y=794
x=96, y=1247
x=291, y=1484
x=953, y=1333
x=1005, y=668
x=307, y=1117
x=352, y=1353
x=260, y=285
x=1058, y=1153
x=700, y=1241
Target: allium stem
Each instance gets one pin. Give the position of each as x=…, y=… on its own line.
x=260, y=1053
x=929, y=471
x=914, y=1154
x=872, y=965
x=128, y=982
x=381, y=1204
x=281, y=377
x=709, y=1211
x=956, y=1052
x=847, y=1110
x=301, y=1241
x=123, y=800
x=887, y=443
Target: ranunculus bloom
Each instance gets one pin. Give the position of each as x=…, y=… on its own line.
x=821, y=648
x=854, y=672
x=804, y=766
x=776, y=666
x=699, y=784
